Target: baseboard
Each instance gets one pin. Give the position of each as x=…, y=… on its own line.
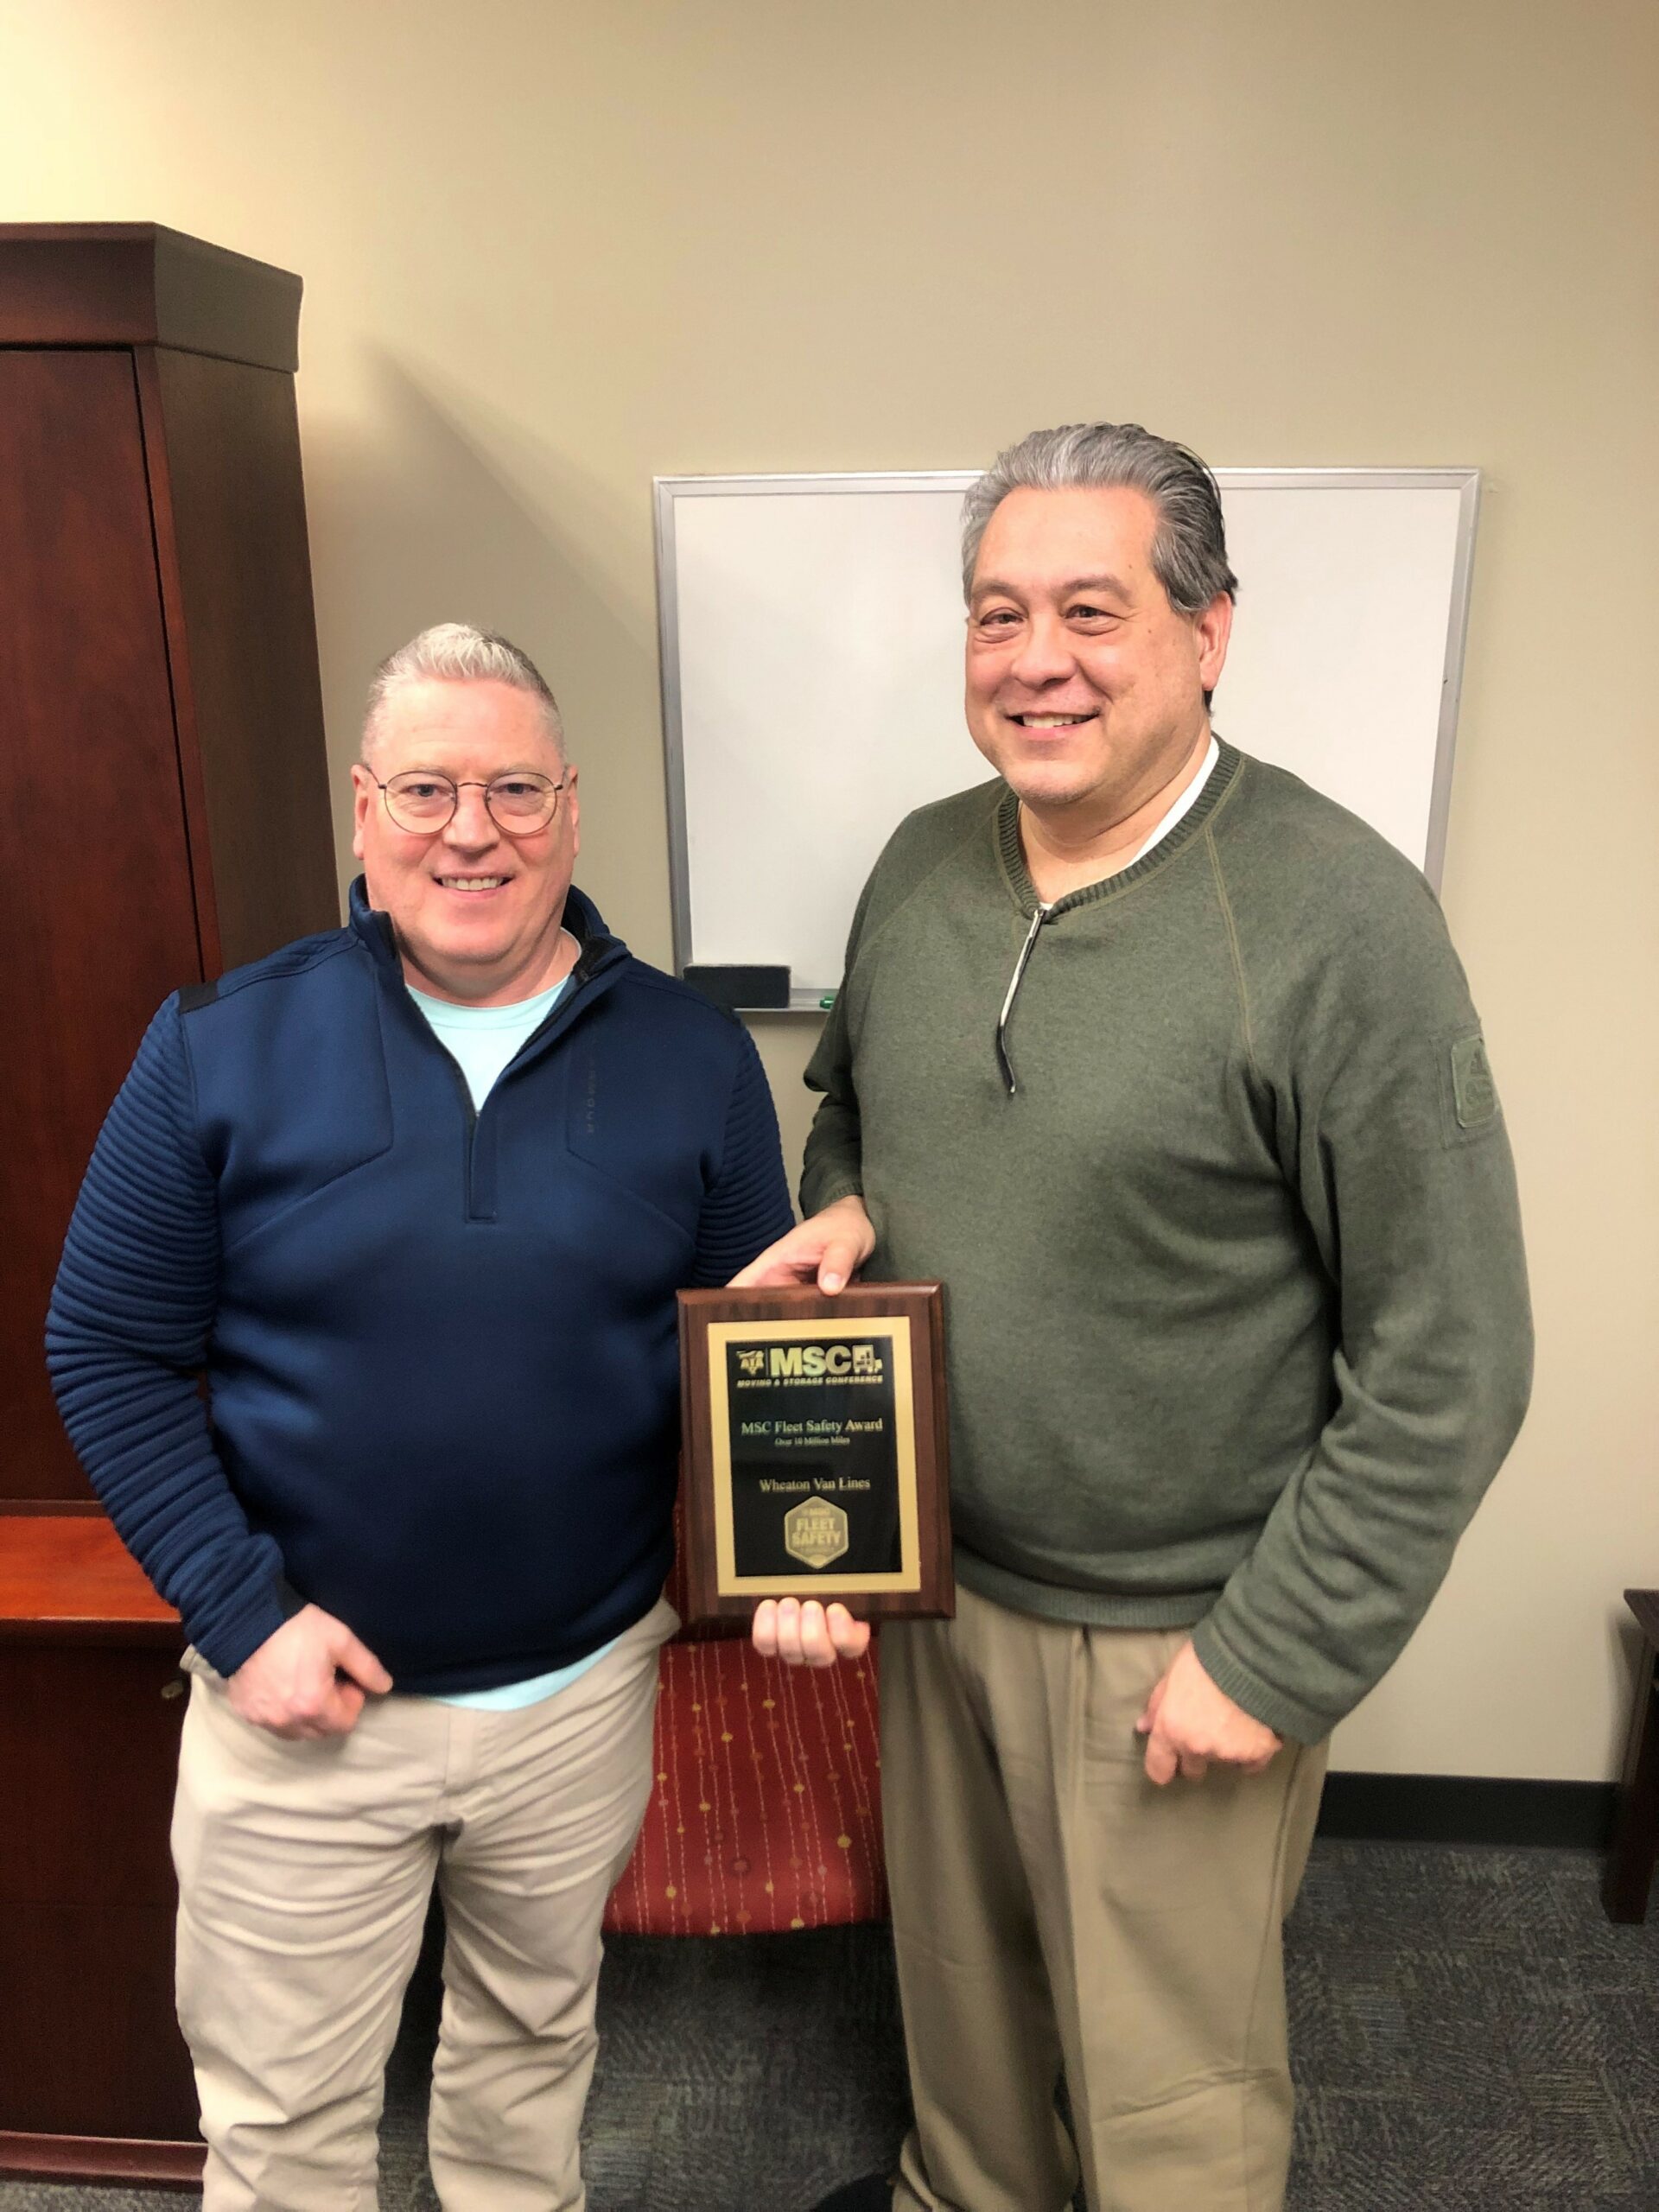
x=101, y=2159
x=1465, y=1808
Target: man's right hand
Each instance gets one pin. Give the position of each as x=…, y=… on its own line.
x=310, y=1678
x=827, y=1248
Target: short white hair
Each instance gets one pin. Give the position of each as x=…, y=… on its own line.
x=455, y=652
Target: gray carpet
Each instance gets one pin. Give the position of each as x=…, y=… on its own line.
x=1471, y=2036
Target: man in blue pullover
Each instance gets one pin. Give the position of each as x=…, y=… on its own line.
x=417, y=1194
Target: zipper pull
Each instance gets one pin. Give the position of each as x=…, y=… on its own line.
x=1037, y=919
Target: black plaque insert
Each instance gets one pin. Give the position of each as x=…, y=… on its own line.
x=813, y=1455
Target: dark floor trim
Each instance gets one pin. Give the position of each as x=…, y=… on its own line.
x=101, y=2159
x=1465, y=1808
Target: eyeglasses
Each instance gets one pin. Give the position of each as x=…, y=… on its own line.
x=520, y=804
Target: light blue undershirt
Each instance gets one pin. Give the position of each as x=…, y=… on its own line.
x=485, y=1038
x=482, y=1039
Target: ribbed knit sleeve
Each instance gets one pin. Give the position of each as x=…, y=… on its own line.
x=127, y=1334
x=748, y=1208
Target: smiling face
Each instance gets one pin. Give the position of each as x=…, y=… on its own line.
x=476, y=912
x=1085, y=687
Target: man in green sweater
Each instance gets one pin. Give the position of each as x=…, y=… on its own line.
x=1165, y=1064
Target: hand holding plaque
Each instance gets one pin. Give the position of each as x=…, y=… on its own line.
x=815, y=1449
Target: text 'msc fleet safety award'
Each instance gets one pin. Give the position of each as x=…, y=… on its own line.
x=816, y=1449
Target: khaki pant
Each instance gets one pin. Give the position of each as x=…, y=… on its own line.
x=1052, y=1909
x=305, y=1872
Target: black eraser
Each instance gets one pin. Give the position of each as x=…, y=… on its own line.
x=732, y=987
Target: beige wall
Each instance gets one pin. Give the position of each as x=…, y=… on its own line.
x=552, y=250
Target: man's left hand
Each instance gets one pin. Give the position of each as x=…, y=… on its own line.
x=809, y=1635
x=1189, y=1723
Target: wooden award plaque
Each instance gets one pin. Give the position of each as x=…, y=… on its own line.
x=815, y=1449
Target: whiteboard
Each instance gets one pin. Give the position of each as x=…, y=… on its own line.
x=812, y=634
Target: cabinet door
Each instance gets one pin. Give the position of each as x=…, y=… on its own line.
x=89, y=1745
x=96, y=906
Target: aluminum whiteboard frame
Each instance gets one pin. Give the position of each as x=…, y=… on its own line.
x=668, y=490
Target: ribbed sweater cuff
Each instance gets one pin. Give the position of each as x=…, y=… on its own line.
x=1287, y=1716
x=237, y=1633
x=843, y=1186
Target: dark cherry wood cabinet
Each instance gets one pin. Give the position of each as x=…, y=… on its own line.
x=94, y=2076
x=163, y=788
x=163, y=816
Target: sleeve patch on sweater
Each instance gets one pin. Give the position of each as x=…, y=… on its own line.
x=1474, y=1093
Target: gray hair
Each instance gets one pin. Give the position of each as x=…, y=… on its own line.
x=1189, y=547
x=455, y=652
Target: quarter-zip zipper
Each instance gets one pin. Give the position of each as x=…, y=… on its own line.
x=474, y=1211
x=1038, y=917
x=470, y=1112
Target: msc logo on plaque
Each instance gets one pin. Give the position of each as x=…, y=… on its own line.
x=817, y=1360
x=815, y=1532
x=751, y=1362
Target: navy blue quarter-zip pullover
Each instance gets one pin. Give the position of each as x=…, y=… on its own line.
x=441, y=1345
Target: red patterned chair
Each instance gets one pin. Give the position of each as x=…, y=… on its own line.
x=766, y=1814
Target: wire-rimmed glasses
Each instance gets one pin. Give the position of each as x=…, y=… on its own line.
x=421, y=801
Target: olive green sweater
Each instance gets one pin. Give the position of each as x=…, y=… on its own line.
x=1236, y=1302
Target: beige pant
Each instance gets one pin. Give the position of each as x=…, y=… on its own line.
x=1052, y=1909
x=305, y=1872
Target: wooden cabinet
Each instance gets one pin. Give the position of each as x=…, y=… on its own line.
x=94, y=2076
x=163, y=788
x=163, y=816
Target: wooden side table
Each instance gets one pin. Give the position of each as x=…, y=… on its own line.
x=95, y=2080
x=1636, y=1828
